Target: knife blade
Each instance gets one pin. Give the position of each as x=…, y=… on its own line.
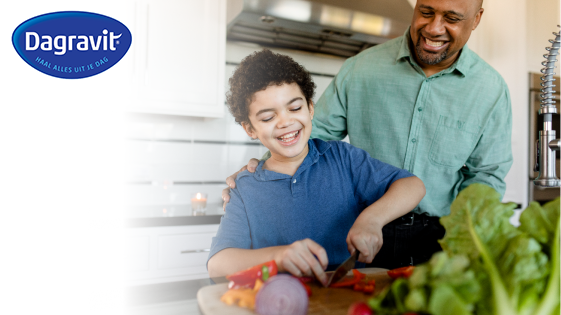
x=343, y=269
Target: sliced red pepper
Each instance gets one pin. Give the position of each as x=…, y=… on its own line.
x=359, y=286
x=360, y=274
x=308, y=289
x=246, y=278
x=403, y=272
x=306, y=279
x=368, y=289
x=357, y=276
x=372, y=282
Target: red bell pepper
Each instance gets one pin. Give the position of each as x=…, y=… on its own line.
x=368, y=289
x=308, y=289
x=357, y=276
x=246, y=278
x=403, y=272
x=306, y=279
x=359, y=286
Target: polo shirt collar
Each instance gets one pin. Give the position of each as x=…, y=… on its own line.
x=316, y=148
x=461, y=65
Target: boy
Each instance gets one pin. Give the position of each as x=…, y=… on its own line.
x=312, y=202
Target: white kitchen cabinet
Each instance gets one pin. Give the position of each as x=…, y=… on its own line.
x=167, y=254
x=179, y=51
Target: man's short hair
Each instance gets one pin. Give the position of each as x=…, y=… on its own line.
x=258, y=71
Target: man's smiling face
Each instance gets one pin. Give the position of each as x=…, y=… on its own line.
x=441, y=28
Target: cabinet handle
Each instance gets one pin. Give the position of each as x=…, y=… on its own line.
x=195, y=251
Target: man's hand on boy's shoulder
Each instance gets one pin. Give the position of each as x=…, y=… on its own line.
x=365, y=236
x=231, y=180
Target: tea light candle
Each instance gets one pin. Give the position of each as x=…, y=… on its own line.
x=198, y=202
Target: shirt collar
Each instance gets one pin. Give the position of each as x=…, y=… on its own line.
x=461, y=65
x=316, y=148
x=404, y=51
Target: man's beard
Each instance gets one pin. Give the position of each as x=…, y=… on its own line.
x=427, y=57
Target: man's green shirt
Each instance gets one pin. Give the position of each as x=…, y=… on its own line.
x=450, y=130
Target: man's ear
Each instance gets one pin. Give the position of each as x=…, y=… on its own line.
x=311, y=109
x=477, y=19
x=249, y=130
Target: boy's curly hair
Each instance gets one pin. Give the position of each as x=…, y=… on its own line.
x=258, y=71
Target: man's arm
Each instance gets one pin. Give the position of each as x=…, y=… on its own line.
x=330, y=112
x=491, y=159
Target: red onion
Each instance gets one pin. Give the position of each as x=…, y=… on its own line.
x=282, y=294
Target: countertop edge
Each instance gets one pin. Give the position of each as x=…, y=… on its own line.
x=172, y=221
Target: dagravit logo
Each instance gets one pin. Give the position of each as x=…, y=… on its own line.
x=72, y=44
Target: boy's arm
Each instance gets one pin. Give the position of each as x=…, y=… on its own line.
x=402, y=196
x=298, y=258
x=232, y=248
x=387, y=192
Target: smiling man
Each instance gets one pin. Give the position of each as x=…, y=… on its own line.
x=426, y=103
x=440, y=29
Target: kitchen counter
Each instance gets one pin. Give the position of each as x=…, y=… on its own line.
x=171, y=215
x=173, y=221
x=180, y=298
x=166, y=298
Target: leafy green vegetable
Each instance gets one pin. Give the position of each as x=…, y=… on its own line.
x=442, y=286
x=488, y=266
x=542, y=223
x=478, y=226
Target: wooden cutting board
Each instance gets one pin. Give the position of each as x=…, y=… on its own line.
x=330, y=301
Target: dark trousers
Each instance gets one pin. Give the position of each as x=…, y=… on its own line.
x=409, y=240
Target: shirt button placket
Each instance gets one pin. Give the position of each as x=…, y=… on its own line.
x=297, y=187
x=416, y=121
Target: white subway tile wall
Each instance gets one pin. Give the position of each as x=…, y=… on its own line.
x=170, y=157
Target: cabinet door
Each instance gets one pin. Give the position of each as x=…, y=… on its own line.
x=167, y=254
x=180, y=57
x=184, y=251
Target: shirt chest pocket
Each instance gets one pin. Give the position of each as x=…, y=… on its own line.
x=453, y=142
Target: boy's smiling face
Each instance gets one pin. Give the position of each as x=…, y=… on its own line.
x=282, y=120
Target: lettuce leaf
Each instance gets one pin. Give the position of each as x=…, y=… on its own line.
x=443, y=286
x=488, y=266
x=542, y=223
x=478, y=226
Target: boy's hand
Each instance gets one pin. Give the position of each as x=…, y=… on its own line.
x=231, y=180
x=366, y=236
x=298, y=259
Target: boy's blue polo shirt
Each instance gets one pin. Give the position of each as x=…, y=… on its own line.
x=334, y=183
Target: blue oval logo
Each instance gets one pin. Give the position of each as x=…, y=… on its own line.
x=72, y=44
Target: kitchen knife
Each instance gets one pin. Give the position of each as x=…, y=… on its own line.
x=343, y=269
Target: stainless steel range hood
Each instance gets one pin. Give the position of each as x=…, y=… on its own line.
x=342, y=28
